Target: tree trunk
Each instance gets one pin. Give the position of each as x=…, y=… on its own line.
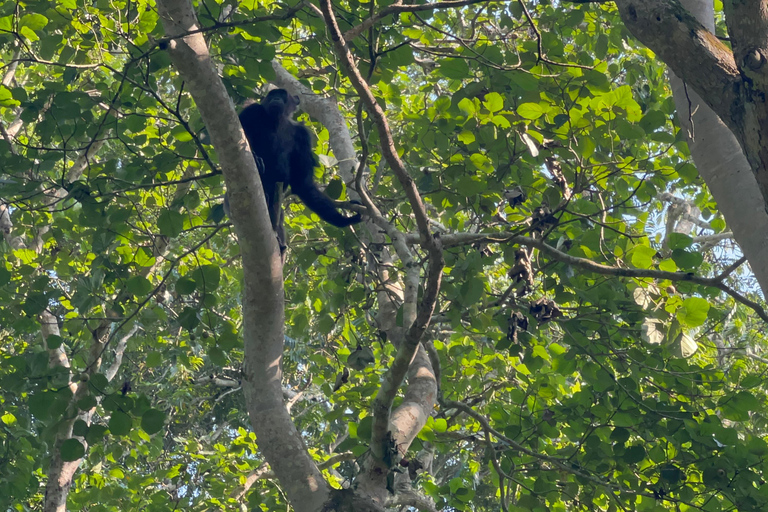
x=715, y=150
x=722, y=164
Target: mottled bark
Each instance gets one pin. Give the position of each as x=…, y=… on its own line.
x=263, y=300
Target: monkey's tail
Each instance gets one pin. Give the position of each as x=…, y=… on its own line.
x=322, y=205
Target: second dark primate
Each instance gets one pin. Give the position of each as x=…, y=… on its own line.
x=285, y=149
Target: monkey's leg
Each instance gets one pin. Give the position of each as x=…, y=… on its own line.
x=277, y=216
x=281, y=239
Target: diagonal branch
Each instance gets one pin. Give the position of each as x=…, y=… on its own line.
x=388, y=148
x=597, y=268
x=394, y=377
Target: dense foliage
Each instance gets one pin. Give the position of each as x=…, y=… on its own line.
x=591, y=390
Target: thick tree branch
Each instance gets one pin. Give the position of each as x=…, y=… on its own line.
x=733, y=87
x=119, y=352
x=694, y=53
x=723, y=165
x=61, y=472
x=263, y=298
x=412, y=499
x=747, y=23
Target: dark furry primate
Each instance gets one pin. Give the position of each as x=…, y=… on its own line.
x=285, y=149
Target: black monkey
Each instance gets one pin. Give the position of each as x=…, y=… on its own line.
x=285, y=149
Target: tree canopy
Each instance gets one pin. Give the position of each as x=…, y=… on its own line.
x=545, y=308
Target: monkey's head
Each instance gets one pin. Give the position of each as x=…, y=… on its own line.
x=279, y=102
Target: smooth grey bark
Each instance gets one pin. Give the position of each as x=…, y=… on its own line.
x=263, y=298
x=727, y=113
x=722, y=164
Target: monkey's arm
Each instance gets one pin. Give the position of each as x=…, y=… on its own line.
x=302, y=181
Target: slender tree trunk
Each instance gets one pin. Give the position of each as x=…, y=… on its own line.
x=263, y=299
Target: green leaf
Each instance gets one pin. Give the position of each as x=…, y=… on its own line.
x=668, y=265
x=694, y=312
x=653, y=120
x=751, y=381
x=671, y=474
x=72, y=450
x=440, y=425
x=686, y=259
x=531, y=111
x=467, y=106
x=364, y=428
x=34, y=21
x=467, y=137
x=95, y=433
x=679, y=241
x=541, y=352
x=206, y=277
x=471, y=291
x=688, y=172
x=53, y=341
x=185, y=285
x=27, y=256
x=454, y=68
x=154, y=359
x=493, y=101
x=99, y=383
x=87, y=403
x=6, y=98
x=138, y=286
x=143, y=257
x=181, y=134
x=188, y=319
x=29, y=34
x=152, y=421
x=561, y=119
x=464, y=494
x=217, y=356
x=120, y=424
x=620, y=435
x=744, y=401
x=586, y=147
x=634, y=454
x=8, y=419
x=80, y=428
x=400, y=57
x=35, y=304
x=40, y=403
x=170, y=223
x=718, y=225
x=501, y=121
x=628, y=131
x=335, y=188
x=642, y=256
